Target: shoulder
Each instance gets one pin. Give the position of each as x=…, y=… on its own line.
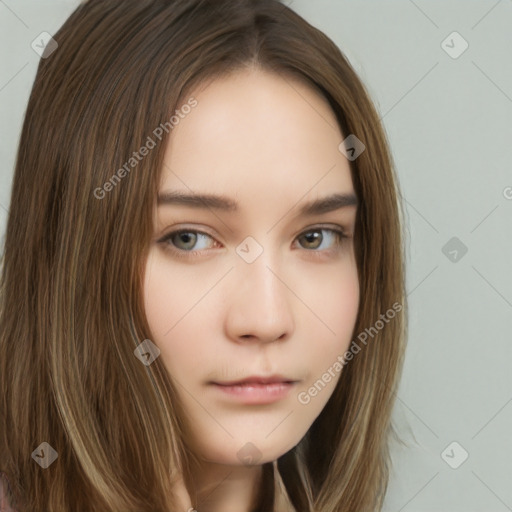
x=5, y=494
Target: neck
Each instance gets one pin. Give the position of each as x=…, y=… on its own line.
x=222, y=488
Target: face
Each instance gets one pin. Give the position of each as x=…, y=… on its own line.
x=255, y=287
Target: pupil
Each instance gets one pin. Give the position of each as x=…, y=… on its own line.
x=310, y=237
x=187, y=237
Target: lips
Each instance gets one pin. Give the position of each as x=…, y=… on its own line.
x=257, y=379
x=255, y=390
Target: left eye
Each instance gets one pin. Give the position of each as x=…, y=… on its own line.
x=313, y=238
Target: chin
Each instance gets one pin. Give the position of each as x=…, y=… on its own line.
x=252, y=450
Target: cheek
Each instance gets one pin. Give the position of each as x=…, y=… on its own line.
x=334, y=300
x=179, y=318
x=335, y=303
x=166, y=304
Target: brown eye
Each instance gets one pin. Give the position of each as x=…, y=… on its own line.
x=314, y=238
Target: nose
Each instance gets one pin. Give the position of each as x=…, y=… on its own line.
x=259, y=303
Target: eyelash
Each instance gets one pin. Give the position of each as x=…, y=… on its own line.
x=182, y=254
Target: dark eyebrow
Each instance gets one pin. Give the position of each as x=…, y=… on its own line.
x=210, y=201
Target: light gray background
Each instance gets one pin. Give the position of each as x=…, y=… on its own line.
x=449, y=123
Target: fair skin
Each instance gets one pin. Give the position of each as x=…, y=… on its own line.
x=271, y=145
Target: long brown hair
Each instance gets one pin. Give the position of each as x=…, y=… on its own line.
x=77, y=239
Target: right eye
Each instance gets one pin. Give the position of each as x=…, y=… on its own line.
x=187, y=238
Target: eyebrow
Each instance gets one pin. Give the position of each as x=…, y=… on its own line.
x=319, y=206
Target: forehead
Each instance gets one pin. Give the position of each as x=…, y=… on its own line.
x=256, y=132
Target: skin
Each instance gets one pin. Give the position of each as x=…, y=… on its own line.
x=271, y=144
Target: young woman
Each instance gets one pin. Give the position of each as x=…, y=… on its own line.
x=202, y=288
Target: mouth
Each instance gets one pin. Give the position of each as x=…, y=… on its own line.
x=256, y=380
x=256, y=389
